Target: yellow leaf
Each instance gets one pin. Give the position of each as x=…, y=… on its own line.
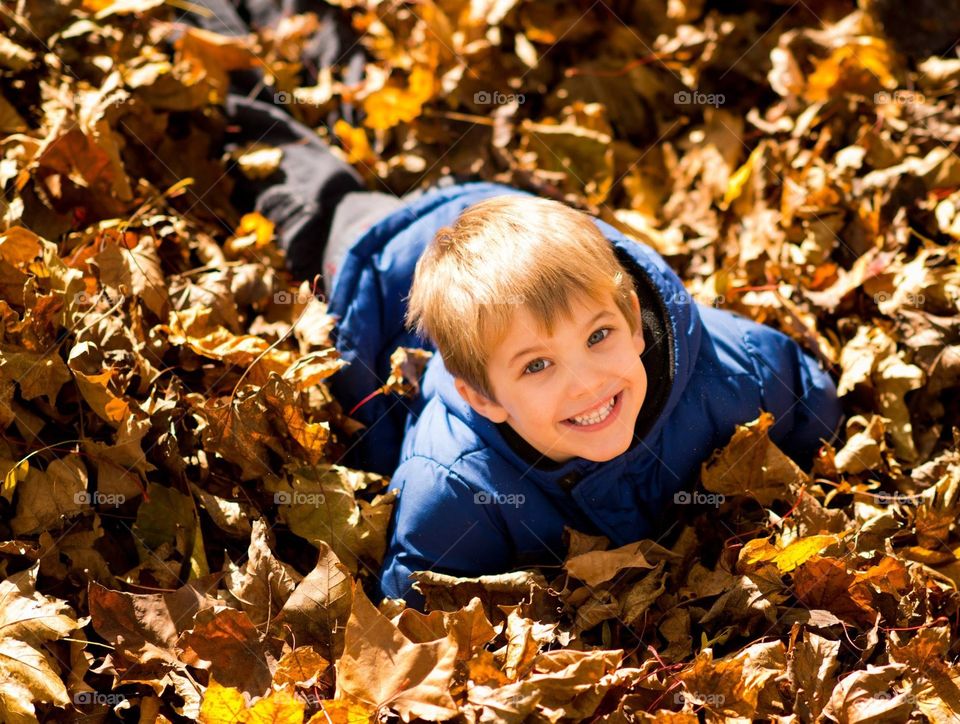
x=257, y=224
x=391, y=105
x=421, y=83
x=96, y=391
x=222, y=705
x=198, y=556
x=195, y=328
x=739, y=178
x=760, y=550
x=15, y=474
x=95, y=5
x=355, y=142
x=858, y=67
x=38, y=269
x=388, y=107
x=177, y=188
x=105, y=8
x=334, y=711
x=303, y=666
x=278, y=707
x=226, y=705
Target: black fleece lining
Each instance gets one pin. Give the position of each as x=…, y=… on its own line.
x=657, y=359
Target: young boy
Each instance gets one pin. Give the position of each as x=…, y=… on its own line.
x=574, y=383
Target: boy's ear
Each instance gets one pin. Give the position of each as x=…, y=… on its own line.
x=479, y=402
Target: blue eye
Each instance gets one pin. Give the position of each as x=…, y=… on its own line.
x=604, y=331
x=527, y=369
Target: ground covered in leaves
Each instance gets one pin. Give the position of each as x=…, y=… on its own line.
x=175, y=541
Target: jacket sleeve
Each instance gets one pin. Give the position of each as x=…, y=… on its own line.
x=442, y=524
x=801, y=396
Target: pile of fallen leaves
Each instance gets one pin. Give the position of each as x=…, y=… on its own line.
x=168, y=438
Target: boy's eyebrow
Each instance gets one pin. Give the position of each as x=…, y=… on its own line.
x=528, y=350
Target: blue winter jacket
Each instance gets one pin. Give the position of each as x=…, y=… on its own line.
x=475, y=499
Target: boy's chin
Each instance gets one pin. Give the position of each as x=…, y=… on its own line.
x=592, y=456
x=606, y=456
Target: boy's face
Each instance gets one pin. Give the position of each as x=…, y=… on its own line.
x=542, y=382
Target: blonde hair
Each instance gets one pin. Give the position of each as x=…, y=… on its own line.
x=502, y=252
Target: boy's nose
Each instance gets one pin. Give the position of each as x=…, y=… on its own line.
x=585, y=387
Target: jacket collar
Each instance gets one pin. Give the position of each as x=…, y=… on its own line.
x=672, y=334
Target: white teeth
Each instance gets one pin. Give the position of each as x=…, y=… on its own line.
x=596, y=417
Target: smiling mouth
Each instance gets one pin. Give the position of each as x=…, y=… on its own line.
x=597, y=415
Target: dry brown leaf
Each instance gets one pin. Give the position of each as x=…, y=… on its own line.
x=752, y=465
x=380, y=666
